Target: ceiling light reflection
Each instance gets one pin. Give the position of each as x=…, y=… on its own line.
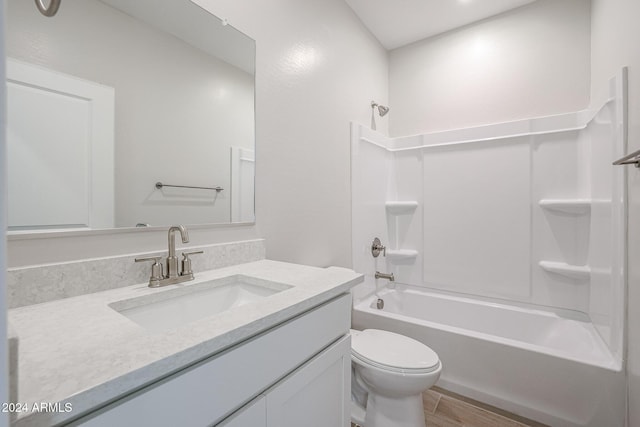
x=301, y=58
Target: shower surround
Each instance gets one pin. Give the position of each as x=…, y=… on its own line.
x=528, y=215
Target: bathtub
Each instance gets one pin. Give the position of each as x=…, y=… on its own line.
x=547, y=366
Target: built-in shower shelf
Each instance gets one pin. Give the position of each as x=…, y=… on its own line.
x=401, y=207
x=397, y=255
x=578, y=272
x=570, y=206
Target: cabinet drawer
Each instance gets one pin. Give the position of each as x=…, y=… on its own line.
x=210, y=390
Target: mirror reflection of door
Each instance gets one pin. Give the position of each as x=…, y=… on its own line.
x=242, y=184
x=60, y=146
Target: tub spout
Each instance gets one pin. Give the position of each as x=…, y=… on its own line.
x=389, y=277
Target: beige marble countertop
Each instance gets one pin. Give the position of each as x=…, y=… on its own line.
x=81, y=352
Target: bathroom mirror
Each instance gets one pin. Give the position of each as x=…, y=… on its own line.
x=128, y=113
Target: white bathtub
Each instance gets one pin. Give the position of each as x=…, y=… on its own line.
x=552, y=368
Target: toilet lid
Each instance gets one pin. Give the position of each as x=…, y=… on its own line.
x=392, y=351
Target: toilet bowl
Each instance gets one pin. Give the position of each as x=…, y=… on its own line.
x=389, y=374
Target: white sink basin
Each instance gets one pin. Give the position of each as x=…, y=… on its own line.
x=176, y=307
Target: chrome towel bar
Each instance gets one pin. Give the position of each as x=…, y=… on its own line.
x=629, y=159
x=159, y=185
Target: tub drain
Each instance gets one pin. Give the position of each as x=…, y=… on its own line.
x=380, y=304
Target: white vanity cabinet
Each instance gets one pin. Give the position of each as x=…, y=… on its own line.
x=253, y=414
x=316, y=394
x=295, y=373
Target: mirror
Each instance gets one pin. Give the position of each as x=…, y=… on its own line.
x=108, y=98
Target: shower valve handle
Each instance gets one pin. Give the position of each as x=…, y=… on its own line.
x=376, y=248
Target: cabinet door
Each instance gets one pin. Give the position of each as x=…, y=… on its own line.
x=317, y=394
x=254, y=414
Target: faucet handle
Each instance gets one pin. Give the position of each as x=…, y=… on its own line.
x=377, y=247
x=156, y=270
x=186, y=263
x=186, y=254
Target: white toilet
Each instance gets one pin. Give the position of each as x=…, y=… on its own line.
x=389, y=374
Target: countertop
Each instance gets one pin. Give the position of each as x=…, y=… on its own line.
x=81, y=353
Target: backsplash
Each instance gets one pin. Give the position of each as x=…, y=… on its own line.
x=48, y=282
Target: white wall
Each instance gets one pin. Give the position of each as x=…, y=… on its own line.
x=615, y=34
x=173, y=101
x=528, y=62
x=317, y=70
x=4, y=367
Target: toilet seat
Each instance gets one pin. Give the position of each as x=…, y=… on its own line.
x=393, y=352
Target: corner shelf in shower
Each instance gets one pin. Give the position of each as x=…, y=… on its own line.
x=570, y=206
x=401, y=207
x=578, y=272
x=398, y=255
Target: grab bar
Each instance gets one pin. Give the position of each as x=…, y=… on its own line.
x=629, y=159
x=159, y=185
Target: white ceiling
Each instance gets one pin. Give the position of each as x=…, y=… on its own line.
x=400, y=22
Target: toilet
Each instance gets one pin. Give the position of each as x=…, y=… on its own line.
x=389, y=373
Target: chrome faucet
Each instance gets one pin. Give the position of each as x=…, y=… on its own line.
x=172, y=261
x=174, y=275
x=389, y=277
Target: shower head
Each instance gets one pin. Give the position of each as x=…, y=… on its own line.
x=382, y=110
